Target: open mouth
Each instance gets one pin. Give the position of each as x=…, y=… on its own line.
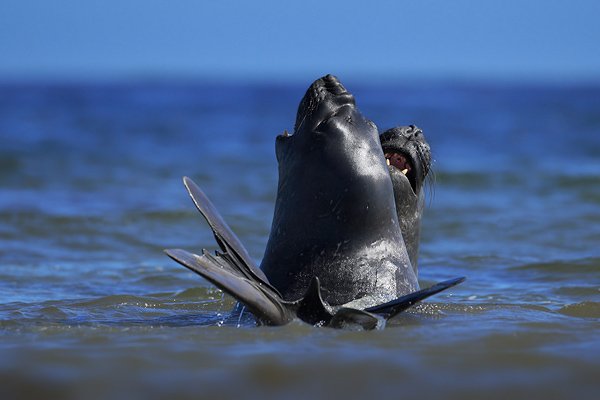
x=403, y=163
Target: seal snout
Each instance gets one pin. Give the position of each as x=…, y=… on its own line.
x=322, y=99
x=330, y=88
x=333, y=85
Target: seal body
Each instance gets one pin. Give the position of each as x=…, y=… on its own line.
x=335, y=217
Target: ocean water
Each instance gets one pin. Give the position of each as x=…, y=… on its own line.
x=91, y=192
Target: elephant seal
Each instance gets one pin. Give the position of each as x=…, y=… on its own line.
x=408, y=157
x=335, y=216
x=335, y=256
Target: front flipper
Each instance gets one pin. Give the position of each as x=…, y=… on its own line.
x=267, y=306
x=394, y=307
x=313, y=310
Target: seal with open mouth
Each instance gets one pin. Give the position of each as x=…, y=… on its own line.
x=408, y=157
x=335, y=256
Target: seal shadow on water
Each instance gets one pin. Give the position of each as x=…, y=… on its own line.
x=343, y=246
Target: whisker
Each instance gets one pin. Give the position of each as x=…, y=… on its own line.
x=431, y=181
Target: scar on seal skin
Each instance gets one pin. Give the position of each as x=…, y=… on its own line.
x=336, y=255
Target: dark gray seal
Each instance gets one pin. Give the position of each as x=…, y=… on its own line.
x=335, y=256
x=408, y=157
x=335, y=216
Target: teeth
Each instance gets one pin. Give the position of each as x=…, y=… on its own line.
x=405, y=171
x=387, y=160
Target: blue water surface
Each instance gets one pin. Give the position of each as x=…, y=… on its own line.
x=91, y=192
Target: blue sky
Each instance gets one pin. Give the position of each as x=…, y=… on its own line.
x=457, y=39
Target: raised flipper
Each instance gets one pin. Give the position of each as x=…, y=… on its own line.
x=232, y=247
x=394, y=307
x=232, y=269
x=265, y=304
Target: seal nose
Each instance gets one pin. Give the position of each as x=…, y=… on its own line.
x=330, y=89
x=322, y=99
x=333, y=85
